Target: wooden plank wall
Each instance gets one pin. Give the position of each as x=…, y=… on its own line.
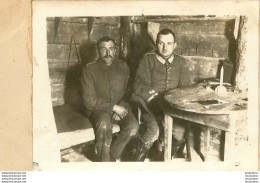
x=210, y=38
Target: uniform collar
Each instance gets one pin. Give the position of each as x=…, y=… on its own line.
x=104, y=66
x=162, y=60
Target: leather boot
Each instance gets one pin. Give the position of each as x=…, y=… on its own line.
x=177, y=145
x=158, y=153
x=112, y=159
x=142, y=150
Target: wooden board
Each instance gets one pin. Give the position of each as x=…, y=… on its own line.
x=68, y=139
x=187, y=98
x=107, y=20
x=192, y=41
x=58, y=71
x=57, y=94
x=203, y=27
x=101, y=30
x=59, y=51
x=202, y=67
x=65, y=31
x=81, y=20
x=201, y=45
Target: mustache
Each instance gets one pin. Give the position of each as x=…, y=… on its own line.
x=107, y=56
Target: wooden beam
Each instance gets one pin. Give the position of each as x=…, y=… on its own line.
x=236, y=27
x=240, y=68
x=139, y=19
x=168, y=137
x=126, y=37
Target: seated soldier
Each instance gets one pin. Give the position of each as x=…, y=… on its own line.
x=157, y=73
x=104, y=84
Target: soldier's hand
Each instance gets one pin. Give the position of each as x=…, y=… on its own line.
x=115, y=117
x=120, y=111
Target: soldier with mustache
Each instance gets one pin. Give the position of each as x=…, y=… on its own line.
x=104, y=85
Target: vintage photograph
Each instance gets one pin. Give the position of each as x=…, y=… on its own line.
x=148, y=88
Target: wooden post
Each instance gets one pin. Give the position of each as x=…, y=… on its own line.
x=240, y=69
x=187, y=136
x=167, y=137
x=126, y=37
x=205, y=142
x=230, y=137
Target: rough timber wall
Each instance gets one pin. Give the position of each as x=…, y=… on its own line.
x=195, y=36
x=208, y=38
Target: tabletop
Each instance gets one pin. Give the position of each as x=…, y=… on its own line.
x=200, y=100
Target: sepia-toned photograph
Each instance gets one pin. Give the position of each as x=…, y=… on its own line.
x=116, y=81
x=147, y=88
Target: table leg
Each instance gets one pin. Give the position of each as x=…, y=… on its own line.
x=229, y=145
x=230, y=137
x=187, y=141
x=206, y=133
x=167, y=137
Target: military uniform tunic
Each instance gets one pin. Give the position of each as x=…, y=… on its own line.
x=153, y=74
x=157, y=75
x=103, y=87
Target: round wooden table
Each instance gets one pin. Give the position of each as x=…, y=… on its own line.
x=208, y=108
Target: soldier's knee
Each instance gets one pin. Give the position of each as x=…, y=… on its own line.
x=105, y=126
x=104, y=123
x=133, y=128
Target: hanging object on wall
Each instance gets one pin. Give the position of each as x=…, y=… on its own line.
x=73, y=42
x=153, y=29
x=72, y=93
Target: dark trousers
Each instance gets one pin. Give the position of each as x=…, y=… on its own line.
x=154, y=123
x=103, y=124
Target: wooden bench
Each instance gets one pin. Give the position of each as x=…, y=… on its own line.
x=73, y=128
